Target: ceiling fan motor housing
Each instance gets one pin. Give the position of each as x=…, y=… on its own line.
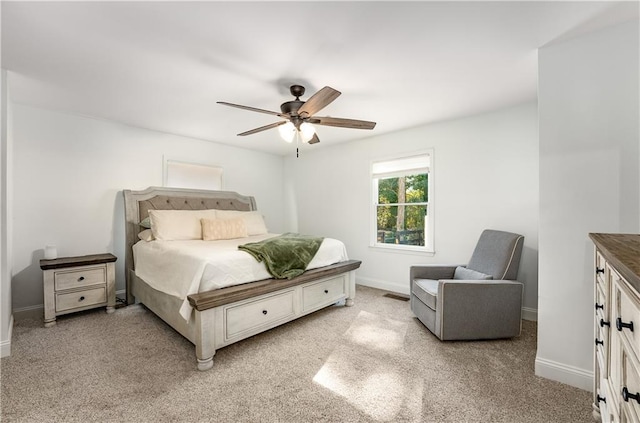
x=291, y=107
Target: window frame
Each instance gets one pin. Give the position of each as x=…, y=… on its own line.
x=429, y=246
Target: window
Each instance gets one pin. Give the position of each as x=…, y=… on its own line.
x=402, y=204
x=192, y=175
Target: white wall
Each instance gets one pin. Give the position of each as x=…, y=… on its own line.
x=589, y=182
x=69, y=173
x=485, y=174
x=6, y=316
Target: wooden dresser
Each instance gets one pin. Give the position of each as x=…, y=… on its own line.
x=78, y=283
x=616, y=393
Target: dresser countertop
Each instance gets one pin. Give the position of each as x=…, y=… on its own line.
x=623, y=252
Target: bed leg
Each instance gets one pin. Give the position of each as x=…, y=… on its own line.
x=205, y=364
x=352, y=289
x=205, y=338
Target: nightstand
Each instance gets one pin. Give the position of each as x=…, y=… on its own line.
x=78, y=283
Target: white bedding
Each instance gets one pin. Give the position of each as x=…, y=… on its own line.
x=182, y=268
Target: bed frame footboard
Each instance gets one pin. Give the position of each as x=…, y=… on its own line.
x=222, y=318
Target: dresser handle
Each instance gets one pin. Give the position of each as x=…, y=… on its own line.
x=620, y=325
x=81, y=298
x=81, y=278
x=599, y=270
x=599, y=342
x=326, y=291
x=264, y=312
x=599, y=306
x=603, y=323
x=627, y=396
x=603, y=399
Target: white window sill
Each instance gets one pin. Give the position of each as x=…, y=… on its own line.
x=403, y=249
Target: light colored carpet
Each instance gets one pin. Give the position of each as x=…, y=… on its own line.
x=373, y=362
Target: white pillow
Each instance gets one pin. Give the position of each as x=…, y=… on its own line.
x=252, y=219
x=214, y=229
x=146, y=235
x=169, y=225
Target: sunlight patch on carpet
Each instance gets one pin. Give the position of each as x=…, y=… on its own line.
x=371, y=371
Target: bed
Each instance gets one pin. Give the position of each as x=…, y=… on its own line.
x=214, y=317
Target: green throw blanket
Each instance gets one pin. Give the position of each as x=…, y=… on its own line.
x=286, y=256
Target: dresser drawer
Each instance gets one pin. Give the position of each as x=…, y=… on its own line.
x=79, y=277
x=626, y=314
x=259, y=314
x=630, y=385
x=80, y=299
x=604, y=405
x=323, y=293
x=602, y=341
x=602, y=302
x=601, y=276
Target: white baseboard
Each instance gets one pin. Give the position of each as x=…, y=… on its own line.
x=387, y=286
x=527, y=312
x=530, y=314
x=574, y=376
x=5, y=346
x=30, y=312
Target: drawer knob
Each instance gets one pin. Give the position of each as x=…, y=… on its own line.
x=603, y=399
x=621, y=325
x=627, y=396
x=264, y=311
x=599, y=270
x=326, y=291
x=599, y=306
x=603, y=323
x=81, y=298
x=599, y=342
x=81, y=278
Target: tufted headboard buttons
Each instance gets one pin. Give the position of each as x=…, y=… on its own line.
x=162, y=202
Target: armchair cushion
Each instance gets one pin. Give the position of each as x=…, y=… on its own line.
x=470, y=274
x=427, y=291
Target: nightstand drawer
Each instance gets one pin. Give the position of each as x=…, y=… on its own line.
x=80, y=299
x=80, y=277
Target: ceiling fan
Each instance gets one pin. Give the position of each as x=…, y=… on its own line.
x=299, y=116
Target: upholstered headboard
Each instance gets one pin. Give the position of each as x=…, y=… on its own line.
x=138, y=203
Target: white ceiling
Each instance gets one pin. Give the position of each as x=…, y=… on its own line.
x=163, y=65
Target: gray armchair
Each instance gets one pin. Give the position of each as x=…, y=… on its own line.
x=479, y=301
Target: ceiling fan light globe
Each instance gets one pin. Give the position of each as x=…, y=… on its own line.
x=307, y=131
x=287, y=132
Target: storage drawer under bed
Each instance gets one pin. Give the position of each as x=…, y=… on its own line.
x=323, y=293
x=256, y=316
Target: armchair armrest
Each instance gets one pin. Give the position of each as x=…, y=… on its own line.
x=485, y=309
x=432, y=271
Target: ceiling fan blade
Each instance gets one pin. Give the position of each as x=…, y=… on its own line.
x=262, y=128
x=253, y=109
x=342, y=123
x=318, y=101
x=314, y=139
